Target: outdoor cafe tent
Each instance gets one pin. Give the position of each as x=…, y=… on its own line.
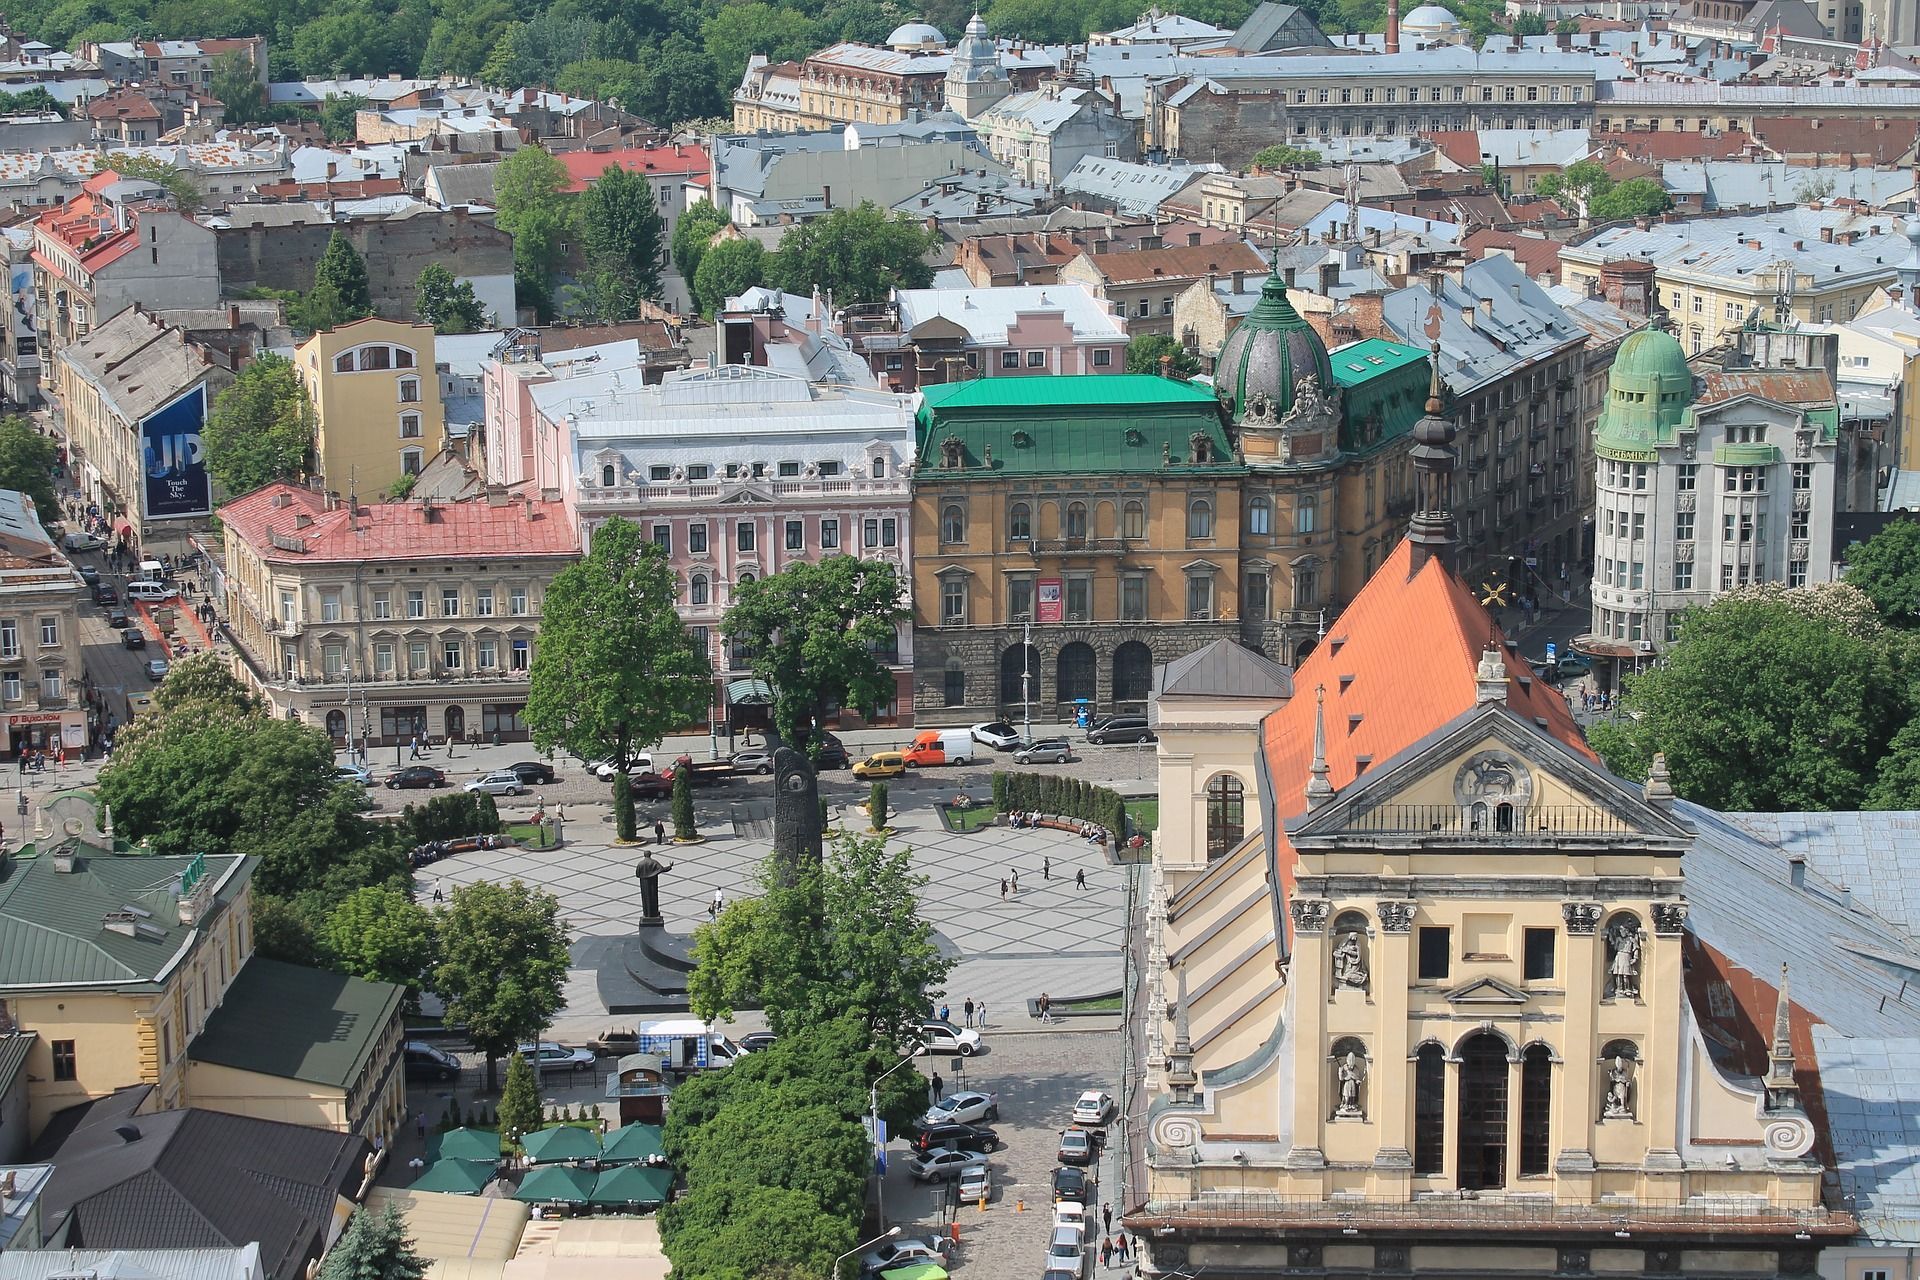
x=556, y=1184
x=562, y=1143
x=633, y=1184
x=456, y=1177
x=464, y=1144
x=632, y=1144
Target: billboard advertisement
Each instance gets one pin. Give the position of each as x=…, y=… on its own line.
x=1049, y=609
x=175, y=464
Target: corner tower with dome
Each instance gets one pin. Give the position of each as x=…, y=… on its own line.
x=1324, y=438
x=975, y=79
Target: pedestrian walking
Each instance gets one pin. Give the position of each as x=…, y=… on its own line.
x=1045, y=1004
x=966, y=1010
x=449, y=746
x=1046, y=867
x=1016, y=884
x=939, y=1087
x=1106, y=1217
x=1126, y=1247
x=1106, y=1252
x=1003, y=888
x=1080, y=878
x=659, y=833
x=420, y=1123
x=719, y=904
x=981, y=1009
x=437, y=895
x=413, y=752
x=946, y=1012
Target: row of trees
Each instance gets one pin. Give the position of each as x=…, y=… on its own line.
x=616, y=221
x=1778, y=698
x=1067, y=797
x=1596, y=195
x=858, y=255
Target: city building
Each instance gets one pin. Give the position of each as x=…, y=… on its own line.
x=924, y=336
x=768, y=98
x=376, y=403
x=1630, y=107
x=1420, y=991
x=173, y=62
x=975, y=79
x=523, y=359
x=117, y=243
x=1127, y=188
x=125, y=117
x=778, y=179
x=1042, y=134
x=1071, y=532
x=41, y=660
x=1141, y=285
x=393, y=621
x=857, y=82
x=136, y=392
x=1817, y=264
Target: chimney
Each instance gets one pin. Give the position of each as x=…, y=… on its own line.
x=63, y=859
x=1329, y=277
x=1393, y=26
x=1797, y=870
x=826, y=196
x=1239, y=282
x=1826, y=235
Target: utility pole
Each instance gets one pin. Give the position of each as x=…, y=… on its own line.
x=1026, y=680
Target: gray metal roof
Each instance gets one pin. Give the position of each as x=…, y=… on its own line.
x=1870, y=853
x=1518, y=324
x=1869, y=1086
x=14, y=1049
x=1223, y=669
x=131, y=1264
x=1132, y=188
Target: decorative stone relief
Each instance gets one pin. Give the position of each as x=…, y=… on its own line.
x=1801, y=549
x=1350, y=961
x=1683, y=552
x=1623, y=958
x=1802, y=500
x=1309, y=915
x=1618, y=1104
x=1574, y=1262
x=1581, y=917
x=1669, y=917
x=1352, y=1074
x=1390, y=1257
x=1493, y=776
x=1395, y=917
x=1686, y=501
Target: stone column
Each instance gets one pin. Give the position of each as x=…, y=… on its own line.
x=1392, y=1085
x=1656, y=1099
x=1307, y=976
x=1574, y=1106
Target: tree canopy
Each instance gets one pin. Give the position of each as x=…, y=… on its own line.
x=380, y=932
x=530, y=196
x=340, y=292
x=859, y=255
x=691, y=235
x=1887, y=568
x=727, y=270
x=27, y=459
x=503, y=964
x=373, y=1247
x=261, y=428
x=1145, y=352
x=1286, y=156
x=625, y=241
x=449, y=305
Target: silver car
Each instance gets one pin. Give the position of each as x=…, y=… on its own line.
x=1045, y=751
x=504, y=783
x=548, y=1056
x=753, y=762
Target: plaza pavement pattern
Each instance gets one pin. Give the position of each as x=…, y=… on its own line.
x=1048, y=937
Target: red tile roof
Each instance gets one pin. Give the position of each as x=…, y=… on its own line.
x=276, y=520
x=336, y=189
x=1179, y=262
x=1536, y=255
x=1658, y=145
x=584, y=166
x=1805, y=389
x=86, y=225
x=1462, y=146
x=1877, y=141
x=125, y=104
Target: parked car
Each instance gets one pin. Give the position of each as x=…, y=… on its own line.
x=428, y=1062
x=1121, y=729
x=1070, y=1213
x=833, y=755
x=117, y=618
x=1066, y=1249
x=503, y=783
x=997, y=734
x=157, y=668
x=89, y=574
x=133, y=638
x=650, y=785
x=755, y=1041
x=905, y=1250
x=881, y=764
x=1076, y=1147
x=966, y=1107
x=605, y=769
x=976, y=1183
x=1565, y=666
x=548, y=1056
x=77, y=540
x=755, y=761
x=944, y=1037
x=533, y=773
x=416, y=777
x=1045, y=751
x=964, y=1137
x=1072, y=1183
x=942, y=1164
x=150, y=589
x=1092, y=1107
x=354, y=773
x=103, y=593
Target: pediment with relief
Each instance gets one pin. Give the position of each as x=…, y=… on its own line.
x=1488, y=990
x=744, y=495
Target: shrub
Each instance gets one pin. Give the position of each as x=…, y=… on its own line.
x=877, y=807
x=1000, y=790
x=625, y=823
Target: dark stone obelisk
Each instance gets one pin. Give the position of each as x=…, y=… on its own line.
x=797, y=826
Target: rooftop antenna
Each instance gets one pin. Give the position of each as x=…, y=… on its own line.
x=1353, y=201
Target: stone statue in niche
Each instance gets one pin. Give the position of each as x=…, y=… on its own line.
x=1353, y=1072
x=1619, y=1100
x=1623, y=960
x=1349, y=962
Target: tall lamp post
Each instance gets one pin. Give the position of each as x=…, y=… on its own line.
x=1026, y=681
x=888, y=1234
x=873, y=1115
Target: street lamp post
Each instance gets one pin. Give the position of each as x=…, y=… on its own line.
x=873, y=1114
x=888, y=1234
x=1026, y=680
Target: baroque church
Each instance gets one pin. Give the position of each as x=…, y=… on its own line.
x=1418, y=969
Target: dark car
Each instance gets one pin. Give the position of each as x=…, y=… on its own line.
x=416, y=776
x=117, y=617
x=963, y=1137
x=1565, y=666
x=134, y=638
x=1072, y=1184
x=425, y=1062
x=1121, y=729
x=755, y=1041
x=103, y=593
x=532, y=772
x=89, y=575
x=650, y=785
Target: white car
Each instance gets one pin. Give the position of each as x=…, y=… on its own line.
x=1092, y=1107
x=997, y=734
x=962, y=1108
x=944, y=1037
x=1067, y=1249
x=353, y=773
x=1070, y=1213
x=906, y=1251
x=548, y=1056
x=606, y=769
x=976, y=1184
x=504, y=783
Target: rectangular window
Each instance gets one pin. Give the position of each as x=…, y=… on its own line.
x=1799, y=524
x=870, y=533
x=953, y=603
x=658, y=474
x=502, y=718
x=1436, y=942
x=1796, y=573
x=522, y=654
x=10, y=686
x=49, y=633
x=286, y=610
x=1683, y=577
x=417, y=657
x=383, y=604
x=1036, y=359
x=9, y=639
x=486, y=654
x=889, y=531
x=743, y=535
x=697, y=537
x=1803, y=475
x=1009, y=359
x=829, y=535
x=663, y=538
x=450, y=654
x=1102, y=358
x=51, y=685
x=517, y=602
x=1079, y=599
x=1540, y=944
x=1683, y=526
x=796, y=535
x=383, y=659
x=483, y=601
x=416, y=604
x=449, y=602
x=789, y=470
x=1020, y=599
x=953, y=688
x=1133, y=599
x=333, y=660
x=699, y=471
x=65, y=1065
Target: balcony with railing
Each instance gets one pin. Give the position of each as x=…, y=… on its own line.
x=1491, y=1211
x=1490, y=822
x=672, y=493
x=1079, y=546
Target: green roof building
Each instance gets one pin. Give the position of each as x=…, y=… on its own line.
x=1132, y=423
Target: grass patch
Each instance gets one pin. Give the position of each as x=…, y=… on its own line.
x=980, y=815
x=525, y=832
x=1096, y=1004
x=1145, y=816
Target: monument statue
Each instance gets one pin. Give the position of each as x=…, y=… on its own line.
x=1623, y=968
x=648, y=872
x=797, y=825
x=1349, y=962
x=1619, y=1102
x=1352, y=1072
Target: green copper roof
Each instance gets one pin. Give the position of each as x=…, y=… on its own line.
x=1384, y=391
x=1069, y=425
x=1648, y=391
x=1064, y=390
x=1371, y=358
x=1269, y=353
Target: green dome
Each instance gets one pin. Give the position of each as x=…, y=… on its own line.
x=1269, y=353
x=1648, y=391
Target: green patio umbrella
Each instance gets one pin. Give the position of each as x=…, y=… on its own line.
x=631, y=1144
x=633, y=1184
x=455, y=1177
x=567, y=1142
x=556, y=1184
x=464, y=1144
x=916, y=1271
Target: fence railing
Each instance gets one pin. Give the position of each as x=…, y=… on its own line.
x=1490, y=1210
x=1489, y=820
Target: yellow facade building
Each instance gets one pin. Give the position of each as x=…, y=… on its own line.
x=376, y=403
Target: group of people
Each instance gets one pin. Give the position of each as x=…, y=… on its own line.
x=1091, y=832
x=34, y=760
x=972, y=1013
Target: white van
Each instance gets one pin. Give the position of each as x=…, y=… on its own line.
x=153, y=569
x=80, y=540
x=686, y=1045
x=148, y=589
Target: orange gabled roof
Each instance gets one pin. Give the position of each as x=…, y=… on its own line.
x=1402, y=658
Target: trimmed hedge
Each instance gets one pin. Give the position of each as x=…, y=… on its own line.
x=1068, y=797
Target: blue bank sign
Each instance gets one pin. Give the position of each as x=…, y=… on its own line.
x=176, y=462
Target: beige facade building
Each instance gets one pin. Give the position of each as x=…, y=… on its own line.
x=376, y=403
x=393, y=621
x=40, y=655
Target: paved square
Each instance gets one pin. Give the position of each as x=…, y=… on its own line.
x=1048, y=937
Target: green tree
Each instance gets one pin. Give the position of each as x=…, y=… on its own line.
x=203, y=684
x=841, y=939
x=519, y=1099
x=340, y=116
x=503, y=964
x=1634, y=198
x=1529, y=24
x=727, y=270
x=1887, y=568
x=615, y=669
x=736, y=31
x=380, y=932
x=27, y=459
x=463, y=35
x=1286, y=156
x=530, y=198
x=693, y=234
x=401, y=489
x=445, y=303
x=237, y=85
x=815, y=631
x=859, y=254
x=1897, y=783
x=179, y=185
x=261, y=428
x=373, y=1247
x=34, y=101
x=1584, y=181
x=624, y=237
x=340, y=291
x=1772, y=698
x=737, y=1229
x=877, y=807
x=679, y=85
x=615, y=80
x=683, y=828
x=1145, y=352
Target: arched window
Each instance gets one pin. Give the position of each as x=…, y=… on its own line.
x=343, y=363
x=1536, y=1109
x=1200, y=518
x=1019, y=521
x=879, y=468
x=1503, y=817
x=697, y=589
x=746, y=577
x=1132, y=672
x=953, y=523
x=1482, y=1125
x=1076, y=520
x=1260, y=516
x=456, y=723
x=1076, y=670
x=1226, y=814
x=1430, y=1110
x=607, y=475
x=1015, y=661
x=1133, y=519
x=336, y=724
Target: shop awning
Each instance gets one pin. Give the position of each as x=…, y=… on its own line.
x=632, y=1144
x=633, y=1184
x=563, y=1142
x=748, y=692
x=556, y=1184
x=464, y=1144
x=455, y=1177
